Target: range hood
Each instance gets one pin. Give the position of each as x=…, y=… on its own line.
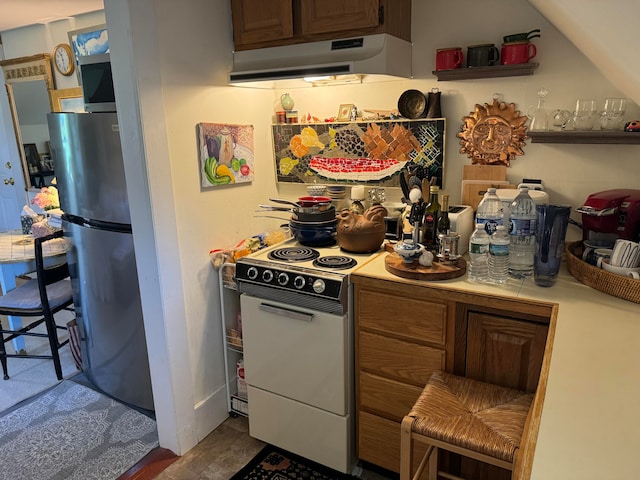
x=379, y=54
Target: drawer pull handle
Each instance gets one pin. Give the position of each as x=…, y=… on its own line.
x=307, y=317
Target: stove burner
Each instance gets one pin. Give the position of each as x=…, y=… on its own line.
x=293, y=254
x=336, y=262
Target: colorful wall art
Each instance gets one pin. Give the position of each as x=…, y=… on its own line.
x=225, y=154
x=358, y=152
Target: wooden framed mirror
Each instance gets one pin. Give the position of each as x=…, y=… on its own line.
x=29, y=83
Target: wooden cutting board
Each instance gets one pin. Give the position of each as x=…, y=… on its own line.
x=484, y=172
x=437, y=271
x=473, y=190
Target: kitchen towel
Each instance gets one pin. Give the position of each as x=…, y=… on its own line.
x=73, y=432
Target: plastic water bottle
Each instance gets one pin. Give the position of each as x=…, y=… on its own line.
x=479, y=253
x=499, y=255
x=489, y=211
x=522, y=223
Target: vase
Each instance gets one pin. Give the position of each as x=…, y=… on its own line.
x=286, y=101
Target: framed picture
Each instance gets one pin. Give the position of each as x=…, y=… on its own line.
x=88, y=41
x=32, y=157
x=344, y=114
x=68, y=100
x=226, y=154
x=46, y=162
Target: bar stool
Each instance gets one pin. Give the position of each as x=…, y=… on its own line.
x=472, y=418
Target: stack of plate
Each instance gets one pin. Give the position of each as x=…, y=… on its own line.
x=338, y=195
x=337, y=192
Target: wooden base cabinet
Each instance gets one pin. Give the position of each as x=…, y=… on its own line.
x=402, y=336
x=270, y=23
x=505, y=351
x=405, y=331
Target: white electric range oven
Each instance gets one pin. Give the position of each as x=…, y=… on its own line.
x=297, y=330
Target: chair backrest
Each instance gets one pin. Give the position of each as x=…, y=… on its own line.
x=48, y=274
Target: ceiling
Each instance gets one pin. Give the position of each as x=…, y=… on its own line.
x=18, y=13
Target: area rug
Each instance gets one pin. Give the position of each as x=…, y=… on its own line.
x=273, y=463
x=30, y=376
x=73, y=432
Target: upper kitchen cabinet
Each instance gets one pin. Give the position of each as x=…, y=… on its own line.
x=259, y=22
x=270, y=23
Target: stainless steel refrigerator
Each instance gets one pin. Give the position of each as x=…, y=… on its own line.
x=90, y=177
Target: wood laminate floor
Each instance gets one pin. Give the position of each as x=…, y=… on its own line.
x=221, y=454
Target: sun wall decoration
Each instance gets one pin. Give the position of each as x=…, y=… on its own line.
x=493, y=134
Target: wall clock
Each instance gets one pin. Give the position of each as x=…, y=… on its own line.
x=63, y=59
x=493, y=134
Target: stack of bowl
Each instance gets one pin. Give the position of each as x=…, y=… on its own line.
x=313, y=221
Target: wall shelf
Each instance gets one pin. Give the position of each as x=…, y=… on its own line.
x=469, y=73
x=591, y=136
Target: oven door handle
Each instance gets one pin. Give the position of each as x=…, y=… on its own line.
x=307, y=317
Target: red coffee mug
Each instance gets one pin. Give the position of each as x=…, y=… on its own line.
x=517, y=52
x=448, y=58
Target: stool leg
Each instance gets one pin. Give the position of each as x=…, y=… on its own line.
x=406, y=448
x=423, y=463
x=433, y=465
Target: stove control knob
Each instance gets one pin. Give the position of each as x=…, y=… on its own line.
x=283, y=279
x=252, y=273
x=267, y=276
x=299, y=282
x=319, y=286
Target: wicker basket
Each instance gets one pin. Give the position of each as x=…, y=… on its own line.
x=607, y=282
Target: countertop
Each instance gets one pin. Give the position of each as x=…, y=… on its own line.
x=590, y=422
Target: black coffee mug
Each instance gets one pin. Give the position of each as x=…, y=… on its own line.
x=519, y=37
x=482, y=55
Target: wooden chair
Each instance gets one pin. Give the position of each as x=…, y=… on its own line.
x=43, y=296
x=475, y=419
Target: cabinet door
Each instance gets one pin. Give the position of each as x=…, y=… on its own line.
x=325, y=16
x=256, y=21
x=505, y=351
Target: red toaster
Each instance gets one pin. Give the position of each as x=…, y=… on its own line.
x=612, y=211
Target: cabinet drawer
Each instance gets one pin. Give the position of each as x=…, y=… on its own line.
x=379, y=443
x=398, y=360
x=411, y=318
x=386, y=397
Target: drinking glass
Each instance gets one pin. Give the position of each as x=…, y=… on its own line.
x=612, y=117
x=584, y=115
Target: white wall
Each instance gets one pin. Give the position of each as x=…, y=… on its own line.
x=180, y=221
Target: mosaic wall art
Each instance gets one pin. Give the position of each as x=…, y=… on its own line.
x=225, y=153
x=372, y=152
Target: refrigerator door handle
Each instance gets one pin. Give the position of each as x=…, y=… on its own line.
x=97, y=224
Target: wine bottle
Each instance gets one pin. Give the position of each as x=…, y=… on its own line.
x=444, y=224
x=430, y=222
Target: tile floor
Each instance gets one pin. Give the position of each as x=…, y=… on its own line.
x=225, y=451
